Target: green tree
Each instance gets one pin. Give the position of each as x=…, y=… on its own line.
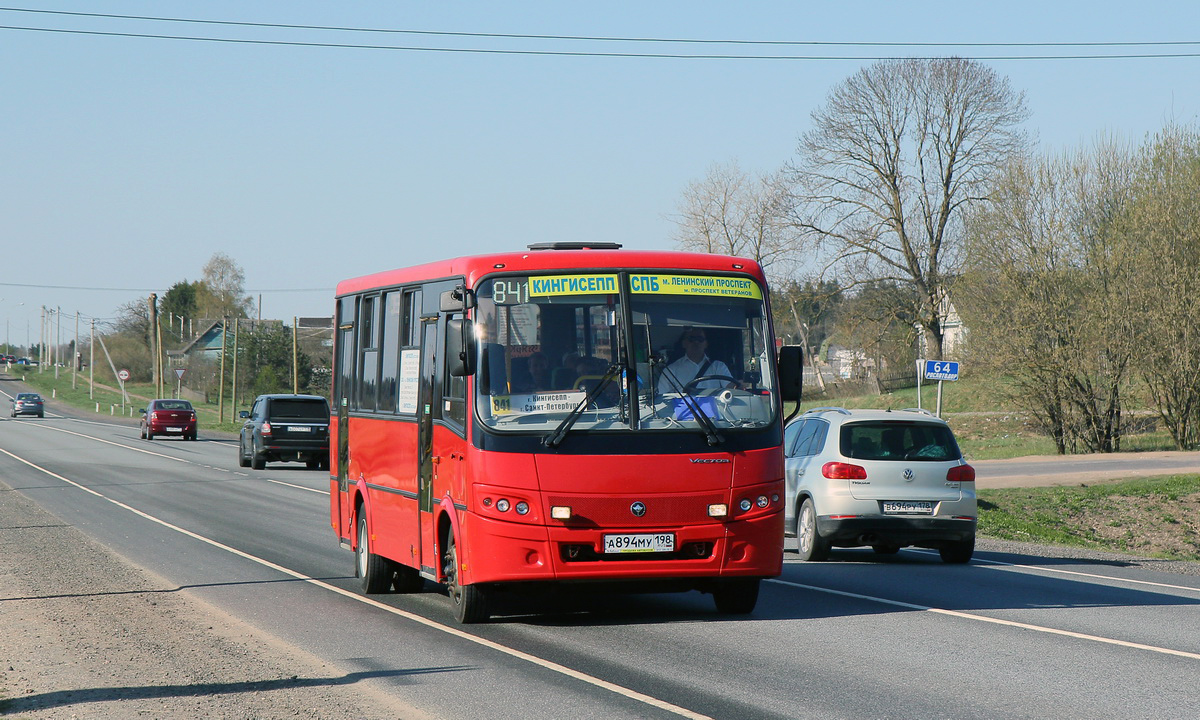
x=1045, y=293
x=1162, y=225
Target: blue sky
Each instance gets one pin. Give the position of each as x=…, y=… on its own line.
x=128, y=161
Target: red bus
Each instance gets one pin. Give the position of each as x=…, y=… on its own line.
x=576, y=413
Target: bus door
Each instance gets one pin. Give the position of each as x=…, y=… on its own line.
x=427, y=528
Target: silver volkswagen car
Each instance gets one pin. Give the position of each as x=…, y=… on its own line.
x=880, y=478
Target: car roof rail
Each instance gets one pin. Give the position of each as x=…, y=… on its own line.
x=923, y=411
x=841, y=410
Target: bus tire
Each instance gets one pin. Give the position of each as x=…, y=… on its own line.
x=736, y=597
x=470, y=601
x=374, y=572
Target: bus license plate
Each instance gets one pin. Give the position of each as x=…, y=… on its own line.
x=641, y=542
x=907, y=507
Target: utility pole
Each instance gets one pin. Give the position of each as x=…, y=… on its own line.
x=233, y=386
x=57, y=340
x=152, y=302
x=75, y=356
x=295, y=364
x=92, y=363
x=221, y=384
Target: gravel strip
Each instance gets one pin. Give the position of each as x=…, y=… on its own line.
x=83, y=634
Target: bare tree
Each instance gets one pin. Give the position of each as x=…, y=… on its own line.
x=895, y=155
x=225, y=282
x=731, y=213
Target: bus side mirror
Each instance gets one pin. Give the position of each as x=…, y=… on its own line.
x=460, y=347
x=456, y=300
x=791, y=372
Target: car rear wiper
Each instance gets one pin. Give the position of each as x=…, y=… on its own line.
x=557, y=435
x=705, y=422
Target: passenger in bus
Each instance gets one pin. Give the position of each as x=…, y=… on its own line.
x=564, y=377
x=695, y=363
x=536, y=374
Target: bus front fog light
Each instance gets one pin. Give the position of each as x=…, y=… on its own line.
x=560, y=512
x=761, y=501
x=522, y=508
x=502, y=505
x=718, y=510
x=745, y=504
x=487, y=502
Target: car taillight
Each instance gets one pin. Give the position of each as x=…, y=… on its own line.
x=961, y=473
x=266, y=428
x=843, y=471
x=154, y=415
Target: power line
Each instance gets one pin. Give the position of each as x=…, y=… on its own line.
x=564, y=53
x=39, y=286
x=591, y=38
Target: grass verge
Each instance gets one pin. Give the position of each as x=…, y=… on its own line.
x=1153, y=517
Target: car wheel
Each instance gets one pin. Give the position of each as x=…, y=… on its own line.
x=736, y=597
x=811, y=545
x=470, y=601
x=958, y=552
x=149, y=435
x=41, y=414
x=243, y=460
x=258, y=461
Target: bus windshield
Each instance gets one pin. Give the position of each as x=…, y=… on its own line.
x=684, y=352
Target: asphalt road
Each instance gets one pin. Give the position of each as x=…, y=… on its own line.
x=863, y=636
x=1051, y=470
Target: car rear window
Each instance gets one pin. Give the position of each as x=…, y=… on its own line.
x=300, y=409
x=892, y=440
x=174, y=405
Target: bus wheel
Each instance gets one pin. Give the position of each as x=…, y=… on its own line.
x=470, y=601
x=373, y=571
x=736, y=597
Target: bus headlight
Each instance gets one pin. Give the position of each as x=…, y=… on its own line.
x=502, y=505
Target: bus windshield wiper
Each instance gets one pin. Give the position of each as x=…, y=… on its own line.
x=705, y=422
x=560, y=432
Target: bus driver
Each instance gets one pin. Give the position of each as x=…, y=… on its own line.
x=696, y=363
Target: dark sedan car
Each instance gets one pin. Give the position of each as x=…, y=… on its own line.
x=285, y=427
x=168, y=417
x=28, y=404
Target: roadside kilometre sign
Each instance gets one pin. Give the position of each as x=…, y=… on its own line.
x=941, y=370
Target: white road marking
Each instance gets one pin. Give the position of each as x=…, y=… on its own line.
x=1060, y=571
x=527, y=657
x=996, y=621
x=180, y=460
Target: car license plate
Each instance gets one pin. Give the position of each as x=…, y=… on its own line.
x=171, y=429
x=300, y=428
x=907, y=507
x=641, y=542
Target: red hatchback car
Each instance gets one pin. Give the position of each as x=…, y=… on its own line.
x=168, y=417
